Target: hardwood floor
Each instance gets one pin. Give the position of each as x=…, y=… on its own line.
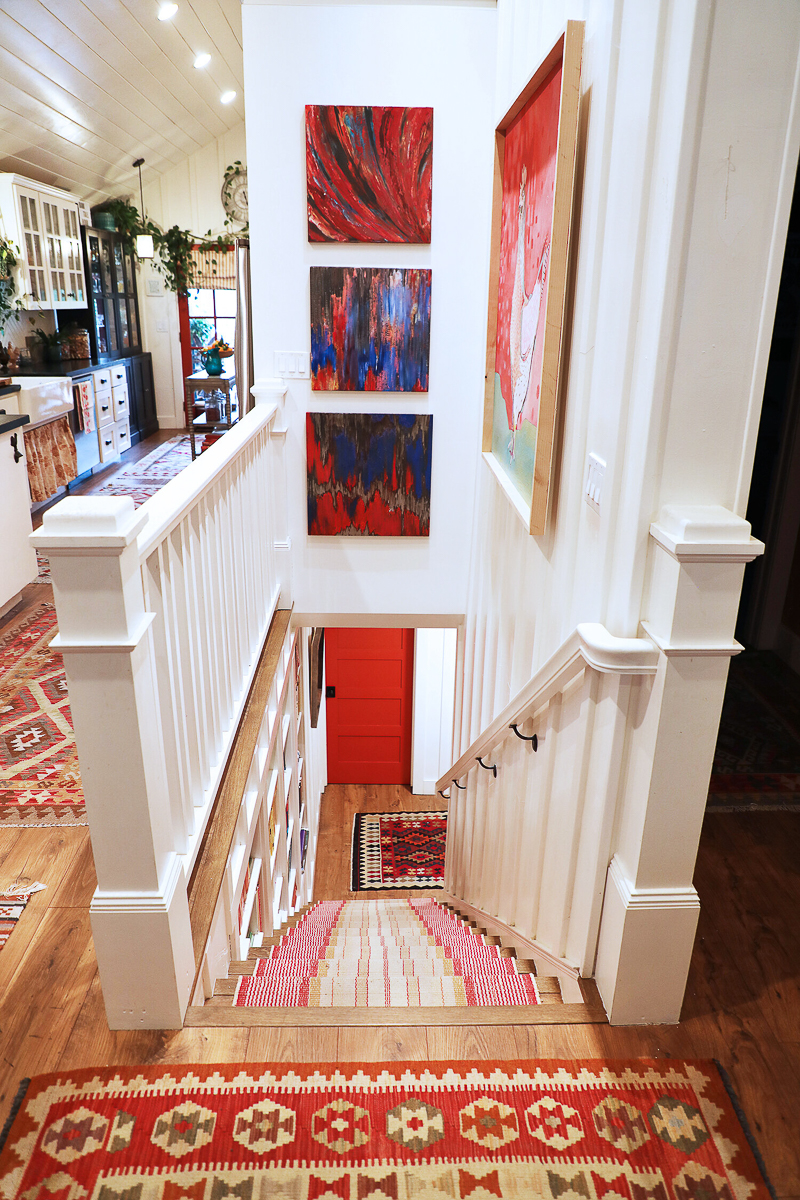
x=742, y=1005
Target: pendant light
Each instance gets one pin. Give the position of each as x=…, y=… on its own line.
x=144, y=241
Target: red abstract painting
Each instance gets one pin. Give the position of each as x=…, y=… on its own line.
x=369, y=473
x=368, y=173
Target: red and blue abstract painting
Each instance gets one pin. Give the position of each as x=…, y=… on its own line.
x=370, y=329
x=368, y=173
x=369, y=473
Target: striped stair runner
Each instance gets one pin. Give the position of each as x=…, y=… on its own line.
x=384, y=954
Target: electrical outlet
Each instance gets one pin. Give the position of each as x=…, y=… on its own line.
x=292, y=364
x=595, y=474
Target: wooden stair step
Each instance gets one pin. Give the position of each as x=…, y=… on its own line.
x=226, y=1016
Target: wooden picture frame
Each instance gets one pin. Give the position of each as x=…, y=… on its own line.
x=528, y=277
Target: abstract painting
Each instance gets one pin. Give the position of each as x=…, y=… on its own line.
x=535, y=161
x=368, y=173
x=369, y=473
x=370, y=329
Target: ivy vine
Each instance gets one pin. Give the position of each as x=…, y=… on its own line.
x=173, y=247
x=10, y=301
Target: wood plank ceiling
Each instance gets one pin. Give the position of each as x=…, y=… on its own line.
x=85, y=88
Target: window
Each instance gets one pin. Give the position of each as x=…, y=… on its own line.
x=212, y=315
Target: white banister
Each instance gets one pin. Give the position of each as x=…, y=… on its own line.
x=162, y=613
x=590, y=644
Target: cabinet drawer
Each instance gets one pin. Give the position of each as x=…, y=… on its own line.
x=119, y=377
x=102, y=380
x=104, y=409
x=122, y=436
x=108, y=443
x=119, y=402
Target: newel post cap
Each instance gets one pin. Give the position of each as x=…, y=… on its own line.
x=704, y=533
x=86, y=522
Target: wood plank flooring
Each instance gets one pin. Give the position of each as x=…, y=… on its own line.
x=741, y=1005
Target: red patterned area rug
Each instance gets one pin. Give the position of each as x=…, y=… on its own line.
x=600, y=1130
x=757, y=758
x=142, y=479
x=40, y=780
x=398, y=850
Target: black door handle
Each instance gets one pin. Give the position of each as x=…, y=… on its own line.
x=330, y=693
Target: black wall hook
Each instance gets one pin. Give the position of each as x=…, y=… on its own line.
x=441, y=793
x=458, y=785
x=15, y=448
x=534, y=740
x=493, y=769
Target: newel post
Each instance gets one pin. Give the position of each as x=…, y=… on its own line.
x=140, y=912
x=696, y=561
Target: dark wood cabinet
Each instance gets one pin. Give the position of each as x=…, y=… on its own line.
x=141, y=397
x=115, y=329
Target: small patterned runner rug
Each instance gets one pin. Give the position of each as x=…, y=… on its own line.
x=398, y=850
x=142, y=479
x=12, y=906
x=41, y=783
x=632, y=1130
x=383, y=954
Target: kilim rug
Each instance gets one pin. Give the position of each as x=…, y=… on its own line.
x=398, y=850
x=40, y=782
x=142, y=479
x=12, y=906
x=757, y=759
x=383, y=954
x=595, y=1130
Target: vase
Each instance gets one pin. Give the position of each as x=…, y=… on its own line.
x=212, y=362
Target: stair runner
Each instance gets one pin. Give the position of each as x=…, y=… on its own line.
x=380, y=954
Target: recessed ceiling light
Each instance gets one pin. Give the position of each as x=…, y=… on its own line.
x=167, y=11
x=226, y=97
x=202, y=60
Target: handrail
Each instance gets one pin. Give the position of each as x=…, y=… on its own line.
x=591, y=645
x=167, y=507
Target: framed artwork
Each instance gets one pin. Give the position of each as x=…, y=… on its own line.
x=370, y=329
x=368, y=173
x=535, y=148
x=369, y=473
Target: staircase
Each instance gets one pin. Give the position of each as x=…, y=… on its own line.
x=390, y=962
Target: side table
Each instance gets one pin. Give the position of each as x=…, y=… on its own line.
x=217, y=393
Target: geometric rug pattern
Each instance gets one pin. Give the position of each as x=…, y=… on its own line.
x=757, y=758
x=641, y=1129
x=12, y=906
x=143, y=478
x=398, y=850
x=38, y=758
x=382, y=954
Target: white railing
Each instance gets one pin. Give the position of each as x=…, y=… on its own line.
x=162, y=612
x=529, y=837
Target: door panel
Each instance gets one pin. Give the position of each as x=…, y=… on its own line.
x=369, y=717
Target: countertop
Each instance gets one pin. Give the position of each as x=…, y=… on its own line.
x=11, y=421
x=8, y=389
x=67, y=366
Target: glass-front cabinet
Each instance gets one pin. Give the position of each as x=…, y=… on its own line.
x=114, y=303
x=44, y=223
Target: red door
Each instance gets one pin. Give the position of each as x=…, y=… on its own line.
x=368, y=674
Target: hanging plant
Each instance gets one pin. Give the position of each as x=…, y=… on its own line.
x=10, y=301
x=173, y=247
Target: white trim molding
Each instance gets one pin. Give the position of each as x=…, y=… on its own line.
x=646, y=936
x=704, y=533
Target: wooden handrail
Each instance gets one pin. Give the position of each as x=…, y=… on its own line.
x=207, y=876
x=590, y=645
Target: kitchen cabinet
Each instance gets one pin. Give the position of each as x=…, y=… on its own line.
x=114, y=301
x=19, y=557
x=141, y=396
x=44, y=224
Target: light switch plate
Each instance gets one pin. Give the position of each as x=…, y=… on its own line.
x=595, y=474
x=154, y=287
x=292, y=364
x=162, y=327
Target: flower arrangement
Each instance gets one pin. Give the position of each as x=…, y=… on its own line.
x=222, y=348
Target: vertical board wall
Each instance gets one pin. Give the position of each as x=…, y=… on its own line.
x=382, y=54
